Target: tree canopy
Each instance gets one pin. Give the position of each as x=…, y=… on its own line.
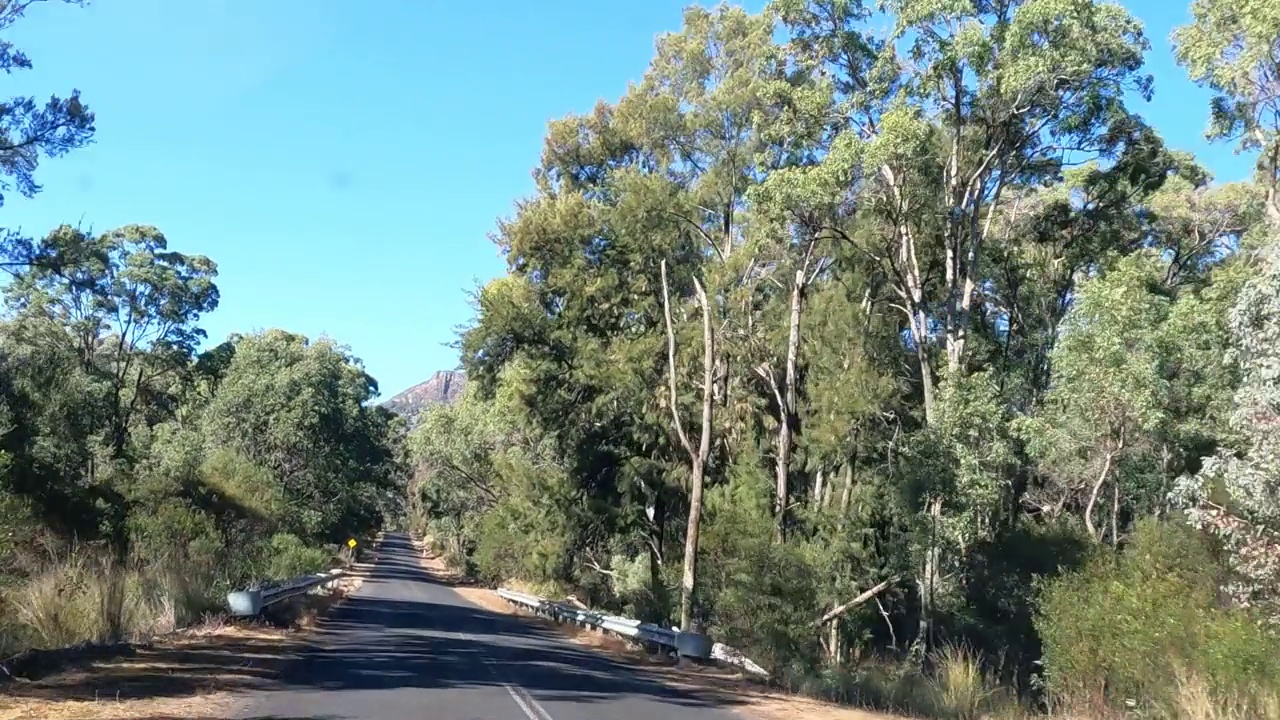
x=846, y=313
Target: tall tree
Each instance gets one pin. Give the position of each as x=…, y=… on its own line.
x=994, y=97
x=697, y=457
x=299, y=408
x=1110, y=392
x=27, y=129
x=131, y=306
x=1231, y=46
x=1236, y=495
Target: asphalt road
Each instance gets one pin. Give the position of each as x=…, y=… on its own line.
x=404, y=647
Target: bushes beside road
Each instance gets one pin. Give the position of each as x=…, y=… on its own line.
x=139, y=484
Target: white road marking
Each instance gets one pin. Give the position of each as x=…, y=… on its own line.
x=531, y=707
x=526, y=702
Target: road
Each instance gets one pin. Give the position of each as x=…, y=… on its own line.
x=404, y=647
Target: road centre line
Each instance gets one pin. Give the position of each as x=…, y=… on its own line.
x=531, y=707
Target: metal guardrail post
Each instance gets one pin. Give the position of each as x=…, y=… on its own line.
x=249, y=602
x=695, y=645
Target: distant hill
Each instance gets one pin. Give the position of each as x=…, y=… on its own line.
x=443, y=388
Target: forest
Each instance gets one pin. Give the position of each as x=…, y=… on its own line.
x=144, y=472
x=888, y=343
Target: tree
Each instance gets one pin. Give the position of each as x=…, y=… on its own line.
x=130, y=305
x=1110, y=391
x=299, y=408
x=1230, y=47
x=697, y=458
x=28, y=130
x=935, y=294
x=995, y=93
x=1236, y=495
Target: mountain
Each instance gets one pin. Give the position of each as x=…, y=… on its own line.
x=443, y=388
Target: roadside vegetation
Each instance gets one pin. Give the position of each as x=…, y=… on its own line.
x=141, y=477
x=897, y=350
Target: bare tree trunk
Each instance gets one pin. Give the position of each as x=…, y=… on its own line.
x=862, y=597
x=1270, y=172
x=1097, y=488
x=928, y=581
x=1093, y=498
x=689, y=575
x=926, y=381
x=833, y=642
x=819, y=487
x=888, y=621
x=846, y=495
x=698, y=458
x=1115, y=513
x=782, y=449
x=787, y=412
x=659, y=521
x=912, y=290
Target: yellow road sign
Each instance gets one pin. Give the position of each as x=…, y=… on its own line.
x=351, y=543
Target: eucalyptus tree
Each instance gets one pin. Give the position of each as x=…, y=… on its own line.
x=130, y=307
x=29, y=130
x=949, y=115
x=1236, y=494
x=1231, y=46
x=299, y=408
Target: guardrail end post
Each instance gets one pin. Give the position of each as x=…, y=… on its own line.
x=245, y=603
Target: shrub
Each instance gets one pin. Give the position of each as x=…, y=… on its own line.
x=530, y=533
x=1124, y=627
x=1002, y=579
x=758, y=595
x=290, y=557
x=239, y=483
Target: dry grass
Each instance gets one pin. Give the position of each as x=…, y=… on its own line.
x=208, y=707
x=1195, y=701
x=197, y=672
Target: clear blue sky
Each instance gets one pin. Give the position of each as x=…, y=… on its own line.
x=345, y=162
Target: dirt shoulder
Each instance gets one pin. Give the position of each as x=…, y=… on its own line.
x=749, y=697
x=198, y=672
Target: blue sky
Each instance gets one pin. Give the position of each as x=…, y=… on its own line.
x=344, y=163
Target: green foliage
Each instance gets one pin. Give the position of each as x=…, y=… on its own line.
x=764, y=593
x=1111, y=392
x=114, y=435
x=1124, y=627
x=139, y=482
x=1230, y=47
x=298, y=409
x=291, y=557
x=530, y=532
x=31, y=130
x=1236, y=494
x=969, y=315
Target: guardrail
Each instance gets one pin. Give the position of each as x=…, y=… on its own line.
x=694, y=645
x=245, y=603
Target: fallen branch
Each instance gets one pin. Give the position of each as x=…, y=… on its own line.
x=865, y=596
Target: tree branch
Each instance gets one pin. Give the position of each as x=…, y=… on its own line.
x=865, y=596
